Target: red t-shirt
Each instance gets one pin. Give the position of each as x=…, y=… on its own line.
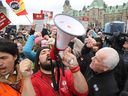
x=43, y=85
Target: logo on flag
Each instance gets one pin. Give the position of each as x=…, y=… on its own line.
x=17, y=6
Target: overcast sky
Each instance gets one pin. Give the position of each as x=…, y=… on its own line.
x=34, y=6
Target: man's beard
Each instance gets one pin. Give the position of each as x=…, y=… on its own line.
x=48, y=67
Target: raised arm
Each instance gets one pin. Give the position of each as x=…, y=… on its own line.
x=27, y=49
x=26, y=70
x=80, y=83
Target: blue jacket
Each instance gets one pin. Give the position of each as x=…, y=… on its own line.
x=27, y=49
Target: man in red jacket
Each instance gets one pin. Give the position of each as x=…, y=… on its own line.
x=71, y=83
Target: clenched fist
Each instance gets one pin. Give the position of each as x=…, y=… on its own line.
x=26, y=68
x=69, y=59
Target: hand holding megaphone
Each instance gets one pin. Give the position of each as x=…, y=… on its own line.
x=68, y=28
x=69, y=59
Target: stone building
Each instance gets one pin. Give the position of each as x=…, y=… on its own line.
x=2, y=8
x=98, y=12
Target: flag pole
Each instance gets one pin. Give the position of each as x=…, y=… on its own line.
x=28, y=19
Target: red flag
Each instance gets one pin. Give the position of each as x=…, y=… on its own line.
x=17, y=6
x=37, y=16
x=4, y=21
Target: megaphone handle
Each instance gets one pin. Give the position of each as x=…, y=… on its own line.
x=54, y=53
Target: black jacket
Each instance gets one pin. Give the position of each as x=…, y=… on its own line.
x=103, y=84
x=125, y=91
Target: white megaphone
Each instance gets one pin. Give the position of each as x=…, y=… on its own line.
x=68, y=28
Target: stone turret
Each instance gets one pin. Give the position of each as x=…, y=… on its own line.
x=1, y=4
x=67, y=3
x=2, y=8
x=66, y=6
x=84, y=8
x=97, y=4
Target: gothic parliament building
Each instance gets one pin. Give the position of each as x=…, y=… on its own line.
x=97, y=12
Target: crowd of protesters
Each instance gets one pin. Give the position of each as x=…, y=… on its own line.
x=91, y=65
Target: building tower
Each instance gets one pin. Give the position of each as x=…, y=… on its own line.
x=66, y=6
x=2, y=8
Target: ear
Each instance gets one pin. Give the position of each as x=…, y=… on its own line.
x=106, y=69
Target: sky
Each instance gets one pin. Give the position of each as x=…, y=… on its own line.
x=34, y=6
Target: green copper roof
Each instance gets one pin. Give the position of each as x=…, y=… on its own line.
x=97, y=4
x=1, y=4
x=117, y=8
x=100, y=4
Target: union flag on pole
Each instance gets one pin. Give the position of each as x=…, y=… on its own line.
x=17, y=6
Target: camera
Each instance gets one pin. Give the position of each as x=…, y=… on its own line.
x=115, y=35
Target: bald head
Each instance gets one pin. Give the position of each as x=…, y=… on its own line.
x=111, y=57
